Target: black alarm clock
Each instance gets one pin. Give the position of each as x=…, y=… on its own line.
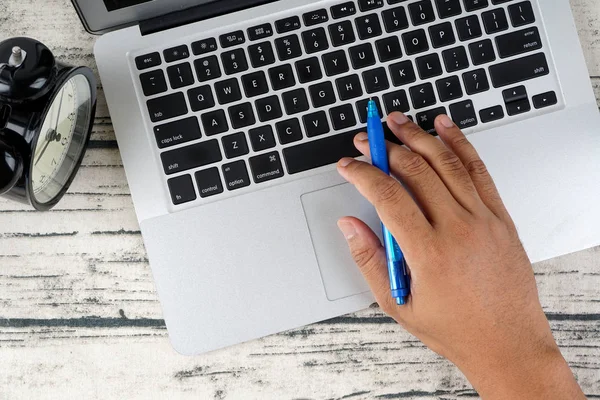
x=46, y=114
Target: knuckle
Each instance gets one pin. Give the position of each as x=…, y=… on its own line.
x=413, y=165
x=363, y=257
x=461, y=141
x=449, y=161
x=477, y=167
x=388, y=190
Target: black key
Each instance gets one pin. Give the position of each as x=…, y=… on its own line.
x=394, y=19
x=193, y=156
x=260, y=31
x=281, y=77
x=473, y=5
x=315, y=40
x=376, y=80
x=166, y=107
x=342, y=10
x=514, y=94
x=368, y=5
x=148, y=61
x=177, y=132
x=315, y=17
x=228, y=91
x=317, y=153
x=288, y=47
x=421, y=12
x=262, y=138
x=521, y=14
x=545, y=100
x=335, y=63
x=288, y=131
x=427, y=118
x=308, y=70
x=268, y=108
x=181, y=189
x=361, y=108
x=322, y=94
x=348, y=87
x=342, y=117
x=482, y=52
x=494, y=20
x=402, y=73
x=236, y=175
x=455, y=59
x=415, y=42
x=448, y=8
x=176, y=53
x=362, y=55
x=201, y=98
x=235, y=145
x=209, y=182
x=442, y=35
x=518, y=107
x=287, y=24
x=519, y=70
x=491, y=114
x=429, y=66
x=295, y=101
x=396, y=101
x=476, y=81
x=315, y=124
x=214, y=122
x=234, y=61
x=232, y=39
x=463, y=114
x=261, y=54
x=180, y=75
x=468, y=28
x=207, y=68
x=518, y=42
x=204, y=46
x=368, y=26
x=341, y=33
x=388, y=48
x=449, y=88
x=266, y=167
x=241, y=115
x=495, y=2
x=153, y=82
x=422, y=95
x=255, y=84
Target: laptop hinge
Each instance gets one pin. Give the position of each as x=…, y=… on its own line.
x=197, y=13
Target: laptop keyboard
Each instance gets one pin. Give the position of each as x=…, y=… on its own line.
x=259, y=104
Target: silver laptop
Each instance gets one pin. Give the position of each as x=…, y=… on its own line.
x=230, y=116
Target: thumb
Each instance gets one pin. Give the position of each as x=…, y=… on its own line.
x=369, y=256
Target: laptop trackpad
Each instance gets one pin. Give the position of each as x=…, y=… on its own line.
x=322, y=209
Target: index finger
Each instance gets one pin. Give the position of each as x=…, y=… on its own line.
x=396, y=208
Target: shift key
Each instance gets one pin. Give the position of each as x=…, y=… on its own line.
x=189, y=157
x=519, y=70
x=519, y=42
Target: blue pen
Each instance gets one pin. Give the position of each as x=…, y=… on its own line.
x=399, y=279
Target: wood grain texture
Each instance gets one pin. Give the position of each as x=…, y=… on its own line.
x=79, y=316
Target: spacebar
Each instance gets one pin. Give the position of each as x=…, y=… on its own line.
x=318, y=153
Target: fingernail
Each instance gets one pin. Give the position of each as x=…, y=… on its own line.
x=399, y=118
x=362, y=136
x=347, y=229
x=344, y=162
x=446, y=121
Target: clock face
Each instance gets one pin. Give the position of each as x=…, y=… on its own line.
x=61, y=139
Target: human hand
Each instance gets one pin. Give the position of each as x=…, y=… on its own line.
x=473, y=296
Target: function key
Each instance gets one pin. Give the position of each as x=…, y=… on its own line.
x=147, y=61
x=473, y=5
x=521, y=14
x=236, y=175
x=176, y=53
x=232, y=39
x=421, y=12
x=181, y=189
x=209, y=182
x=367, y=5
x=287, y=24
x=266, y=167
x=260, y=31
x=315, y=17
x=204, y=46
x=491, y=114
x=545, y=100
x=343, y=10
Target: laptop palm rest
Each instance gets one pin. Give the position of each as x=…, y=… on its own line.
x=322, y=208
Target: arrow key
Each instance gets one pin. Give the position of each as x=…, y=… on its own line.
x=545, y=100
x=491, y=114
x=518, y=107
x=514, y=94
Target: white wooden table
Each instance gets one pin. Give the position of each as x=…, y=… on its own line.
x=79, y=317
